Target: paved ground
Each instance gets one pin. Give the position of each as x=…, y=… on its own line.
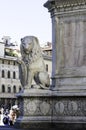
x=8, y=128
x=12, y=128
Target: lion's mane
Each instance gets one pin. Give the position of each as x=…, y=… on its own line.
x=35, y=53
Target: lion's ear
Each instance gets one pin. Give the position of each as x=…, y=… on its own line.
x=21, y=39
x=36, y=39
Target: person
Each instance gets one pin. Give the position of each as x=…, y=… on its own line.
x=6, y=119
x=2, y=110
x=13, y=114
x=12, y=117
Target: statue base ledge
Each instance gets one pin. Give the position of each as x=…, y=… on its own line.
x=34, y=92
x=50, y=93
x=56, y=109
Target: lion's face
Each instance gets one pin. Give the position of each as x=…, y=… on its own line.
x=27, y=44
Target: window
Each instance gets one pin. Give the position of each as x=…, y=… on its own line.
x=46, y=67
x=3, y=88
x=14, y=89
x=3, y=74
x=8, y=62
x=14, y=63
x=2, y=61
x=9, y=89
x=8, y=74
x=19, y=88
x=14, y=75
x=6, y=42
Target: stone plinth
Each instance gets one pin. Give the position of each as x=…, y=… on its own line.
x=35, y=109
x=51, y=109
x=69, y=62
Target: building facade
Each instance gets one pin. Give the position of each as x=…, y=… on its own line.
x=9, y=79
x=47, y=55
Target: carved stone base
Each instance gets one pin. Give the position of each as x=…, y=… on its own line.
x=35, y=109
x=51, y=109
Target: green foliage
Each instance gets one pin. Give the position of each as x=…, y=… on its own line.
x=11, y=53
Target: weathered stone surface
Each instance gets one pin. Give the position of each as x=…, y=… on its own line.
x=68, y=38
x=32, y=65
x=36, y=109
x=69, y=63
x=46, y=109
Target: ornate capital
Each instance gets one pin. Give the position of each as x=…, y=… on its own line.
x=64, y=5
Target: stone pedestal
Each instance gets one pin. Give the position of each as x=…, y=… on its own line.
x=50, y=110
x=35, y=109
x=69, y=44
x=69, y=62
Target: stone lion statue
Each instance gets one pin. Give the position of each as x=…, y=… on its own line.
x=32, y=64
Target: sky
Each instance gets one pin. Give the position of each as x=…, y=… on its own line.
x=19, y=18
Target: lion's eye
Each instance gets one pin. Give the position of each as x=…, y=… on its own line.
x=22, y=40
x=23, y=43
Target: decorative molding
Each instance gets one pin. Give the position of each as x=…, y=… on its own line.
x=69, y=3
x=44, y=107
x=70, y=107
x=59, y=107
x=64, y=7
x=31, y=107
x=63, y=3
